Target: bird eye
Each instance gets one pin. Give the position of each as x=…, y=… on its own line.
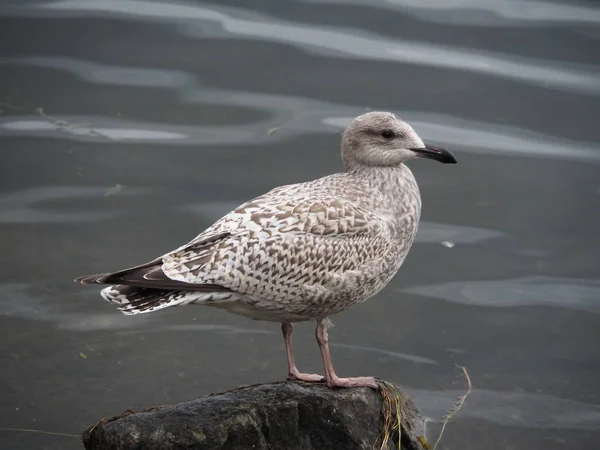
x=388, y=134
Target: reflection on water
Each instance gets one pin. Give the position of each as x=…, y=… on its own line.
x=435, y=233
x=293, y=115
x=212, y=210
x=211, y=328
x=74, y=128
x=184, y=110
x=23, y=206
x=475, y=137
x=98, y=73
x=527, y=291
x=484, y=12
x=199, y=21
x=515, y=409
x=20, y=300
x=379, y=351
x=468, y=136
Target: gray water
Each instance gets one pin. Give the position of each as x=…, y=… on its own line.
x=127, y=127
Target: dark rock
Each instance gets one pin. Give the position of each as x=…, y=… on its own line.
x=281, y=415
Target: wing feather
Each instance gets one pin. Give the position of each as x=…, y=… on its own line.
x=152, y=275
x=290, y=236
x=261, y=237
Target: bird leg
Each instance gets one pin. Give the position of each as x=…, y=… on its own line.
x=331, y=378
x=293, y=373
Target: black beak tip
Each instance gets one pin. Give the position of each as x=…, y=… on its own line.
x=437, y=153
x=450, y=160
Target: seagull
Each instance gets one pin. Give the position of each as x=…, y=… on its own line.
x=302, y=251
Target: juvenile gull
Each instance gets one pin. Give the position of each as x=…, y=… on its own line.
x=302, y=251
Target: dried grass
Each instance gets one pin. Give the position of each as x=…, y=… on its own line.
x=391, y=410
x=392, y=401
x=458, y=404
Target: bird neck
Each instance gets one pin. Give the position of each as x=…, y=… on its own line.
x=396, y=184
x=388, y=180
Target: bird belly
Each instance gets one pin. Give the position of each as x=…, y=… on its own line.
x=257, y=309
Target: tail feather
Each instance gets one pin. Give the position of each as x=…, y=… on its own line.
x=137, y=300
x=148, y=276
x=92, y=279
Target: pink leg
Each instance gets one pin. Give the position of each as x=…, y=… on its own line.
x=293, y=373
x=330, y=377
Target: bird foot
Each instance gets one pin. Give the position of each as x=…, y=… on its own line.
x=308, y=377
x=353, y=382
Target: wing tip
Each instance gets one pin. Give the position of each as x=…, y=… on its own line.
x=92, y=279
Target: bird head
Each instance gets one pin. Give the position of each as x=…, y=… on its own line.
x=381, y=139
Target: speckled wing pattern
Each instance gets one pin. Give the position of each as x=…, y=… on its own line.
x=297, y=252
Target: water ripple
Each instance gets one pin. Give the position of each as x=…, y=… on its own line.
x=291, y=115
x=396, y=355
x=486, y=138
x=19, y=300
x=76, y=127
x=515, y=409
x=204, y=21
x=464, y=135
x=219, y=329
x=98, y=73
x=22, y=206
x=434, y=233
x=527, y=291
x=484, y=12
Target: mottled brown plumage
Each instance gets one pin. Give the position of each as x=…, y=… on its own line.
x=299, y=252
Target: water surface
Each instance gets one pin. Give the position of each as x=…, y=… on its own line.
x=126, y=127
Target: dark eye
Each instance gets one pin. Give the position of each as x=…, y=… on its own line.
x=388, y=134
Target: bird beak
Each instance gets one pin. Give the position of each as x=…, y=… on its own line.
x=439, y=154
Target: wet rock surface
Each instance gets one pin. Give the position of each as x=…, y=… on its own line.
x=282, y=415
